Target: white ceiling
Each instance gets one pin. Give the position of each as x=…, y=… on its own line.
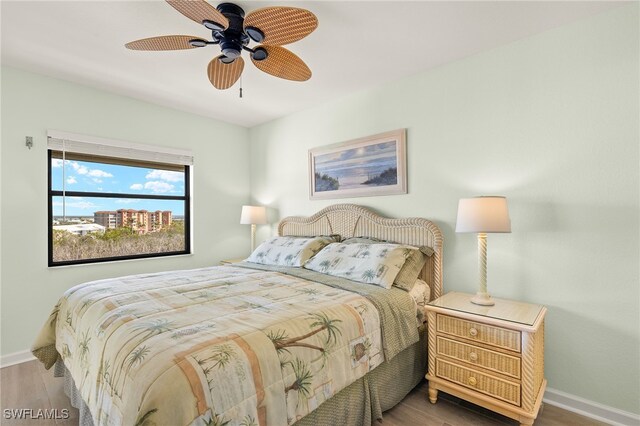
x=358, y=45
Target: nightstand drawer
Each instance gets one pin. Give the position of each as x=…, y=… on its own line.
x=490, y=360
x=484, y=383
x=495, y=336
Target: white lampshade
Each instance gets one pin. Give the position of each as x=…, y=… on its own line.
x=253, y=215
x=483, y=215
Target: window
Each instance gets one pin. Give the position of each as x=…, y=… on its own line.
x=111, y=200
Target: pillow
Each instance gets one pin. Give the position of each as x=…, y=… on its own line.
x=421, y=293
x=288, y=251
x=363, y=240
x=377, y=263
x=411, y=269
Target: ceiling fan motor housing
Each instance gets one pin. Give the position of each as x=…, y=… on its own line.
x=233, y=38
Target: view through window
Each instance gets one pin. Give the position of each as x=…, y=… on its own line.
x=102, y=209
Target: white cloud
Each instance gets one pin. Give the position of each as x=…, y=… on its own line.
x=84, y=205
x=136, y=186
x=126, y=201
x=158, y=186
x=81, y=170
x=165, y=175
x=96, y=173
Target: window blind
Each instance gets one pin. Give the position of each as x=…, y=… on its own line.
x=86, y=146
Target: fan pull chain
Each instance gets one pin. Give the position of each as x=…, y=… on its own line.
x=240, y=87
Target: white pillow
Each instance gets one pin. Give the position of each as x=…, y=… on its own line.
x=288, y=251
x=368, y=263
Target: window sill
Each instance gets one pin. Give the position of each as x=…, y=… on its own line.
x=111, y=262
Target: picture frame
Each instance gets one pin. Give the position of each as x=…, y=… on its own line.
x=365, y=167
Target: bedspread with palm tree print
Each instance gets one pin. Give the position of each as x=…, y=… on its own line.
x=212, y=346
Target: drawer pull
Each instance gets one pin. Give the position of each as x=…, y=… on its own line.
x=473, y=356
x=473, y=332
x=472, y=381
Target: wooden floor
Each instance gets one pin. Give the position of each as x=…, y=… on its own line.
x=29, y=385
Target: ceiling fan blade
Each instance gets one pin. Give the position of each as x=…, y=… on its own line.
x=199, y=11
x=282, y=63
x=222, y=75
x=281, y=25
x=170, y=42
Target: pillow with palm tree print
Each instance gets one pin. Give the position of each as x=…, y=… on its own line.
x=411, y=269
x=367, y=263
x=288, y=251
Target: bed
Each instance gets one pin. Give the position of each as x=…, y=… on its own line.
x=246, y=344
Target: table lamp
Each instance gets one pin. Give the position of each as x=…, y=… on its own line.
x=253, y=215
x=483, y=215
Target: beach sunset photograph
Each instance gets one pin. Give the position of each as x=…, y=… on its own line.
x=372, y=165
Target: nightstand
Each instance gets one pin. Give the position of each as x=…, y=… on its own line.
x=492, y=356
x=230, y=261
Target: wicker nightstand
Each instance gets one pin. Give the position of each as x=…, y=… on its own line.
x=492, y=356
x=230, y=261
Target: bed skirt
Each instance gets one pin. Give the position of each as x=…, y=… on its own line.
x=359, y=404
x=70, y=389
x=363, y=401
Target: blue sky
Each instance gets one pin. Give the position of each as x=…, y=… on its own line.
x=99, y=177
x=382, y=153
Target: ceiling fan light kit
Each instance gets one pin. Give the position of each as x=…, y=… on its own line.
x=198, y=42
x=232, y=31
x=255, y=34
x=212, y=25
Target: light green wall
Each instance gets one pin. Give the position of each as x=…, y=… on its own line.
x=31, y=104
x=552, y=123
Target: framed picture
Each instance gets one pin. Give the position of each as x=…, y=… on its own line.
x=375, y=165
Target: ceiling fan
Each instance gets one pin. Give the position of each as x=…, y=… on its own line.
x=232, y=31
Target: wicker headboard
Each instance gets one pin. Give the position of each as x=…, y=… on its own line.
x=351, y=220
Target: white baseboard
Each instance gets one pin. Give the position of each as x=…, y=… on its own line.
x=552, y=396
x=591, y=409
x=16, y=358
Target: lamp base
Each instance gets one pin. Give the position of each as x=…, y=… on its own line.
x=483, y=299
